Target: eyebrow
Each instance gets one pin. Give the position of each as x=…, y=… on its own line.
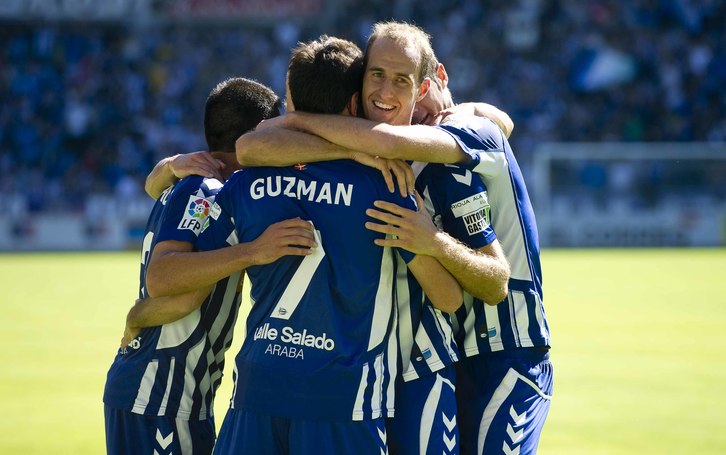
x=406, y=75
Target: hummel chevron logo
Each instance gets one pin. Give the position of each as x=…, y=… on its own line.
x=509, y=451
x=382, y=434
x=450, y=442
x=164, y=441
x=465, y=179
x=517, y=418
x=450, y=424
x=515, y=436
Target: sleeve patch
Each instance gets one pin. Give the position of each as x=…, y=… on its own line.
x=195, y=215
x=215, y=211
x=474, y=211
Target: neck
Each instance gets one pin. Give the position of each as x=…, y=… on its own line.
x=230, y=162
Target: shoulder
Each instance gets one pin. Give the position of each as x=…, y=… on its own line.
x=474, y=131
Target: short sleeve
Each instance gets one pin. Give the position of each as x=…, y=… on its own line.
x=482, y=140
x=185, y=211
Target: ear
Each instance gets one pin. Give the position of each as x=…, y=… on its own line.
x=442, y=76
x=423, y=89
x=353, y=104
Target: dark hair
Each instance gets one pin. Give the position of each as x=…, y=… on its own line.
x=235, y=107
x=323, y=75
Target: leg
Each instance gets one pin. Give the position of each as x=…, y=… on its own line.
x=505, y=401
x=425, y=421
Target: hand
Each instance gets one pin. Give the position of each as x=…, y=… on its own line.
x=399, y=169
x=412, y=230
x=493, y=113
x=459, y=109
x=130, y=333
x=197, y=163
x=293, y=237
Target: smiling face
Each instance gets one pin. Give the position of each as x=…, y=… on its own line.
x=390, y=88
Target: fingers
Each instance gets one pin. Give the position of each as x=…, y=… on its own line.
x=419, y=202
x=385, y=217
x=295, y=223
x=197, y=163
x=381, y=228
x=391, y=207
x=386, y=174
x=404, y=176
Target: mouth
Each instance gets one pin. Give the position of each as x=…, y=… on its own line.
x=383, y=106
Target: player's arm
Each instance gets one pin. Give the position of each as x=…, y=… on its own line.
x=439, y=285
x=175, y=268
x=173, y=168
x=411, y=142
x=482, y=273
x=274, y=145
x=493, y=113
x=152, y=312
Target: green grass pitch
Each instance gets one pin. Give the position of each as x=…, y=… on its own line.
x=639, y=338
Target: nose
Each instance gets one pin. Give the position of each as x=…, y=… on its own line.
x=386, y=89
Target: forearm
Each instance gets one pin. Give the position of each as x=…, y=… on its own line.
x=181, y=272
x=160, y=178
x=438, y=284
x=284, y=147
x=410, y=142
x=152, y=312
x=483, y=276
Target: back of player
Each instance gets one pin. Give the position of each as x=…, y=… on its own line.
x=159, y=390
x=319, y=359
x=505, y=379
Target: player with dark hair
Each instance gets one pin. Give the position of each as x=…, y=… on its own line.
x=317, y=368
x=505, y=379
x=160, y=388
x=397, y=59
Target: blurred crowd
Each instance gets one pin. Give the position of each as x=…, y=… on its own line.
x=88, y=110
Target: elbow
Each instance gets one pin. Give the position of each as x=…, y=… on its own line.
x=241, y=149
x=497, y=296
x=245, y=149
x=149, y=189
x=500, y=290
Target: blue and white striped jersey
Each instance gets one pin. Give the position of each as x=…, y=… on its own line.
x=519, y=320
x=174, y=369
x=457, y=202
x=319, y=341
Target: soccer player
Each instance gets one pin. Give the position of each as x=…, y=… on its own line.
x=425, y=404
x=160, y=388
x=316, y=371
x=505, y=380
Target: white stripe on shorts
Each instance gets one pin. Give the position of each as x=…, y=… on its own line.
x=500, y=394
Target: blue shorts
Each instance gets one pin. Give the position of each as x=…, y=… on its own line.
x=503, y=400
x=131, y=434
x=425, y=415
x=246, y=432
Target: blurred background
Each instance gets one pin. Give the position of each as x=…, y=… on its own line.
x=619, y=107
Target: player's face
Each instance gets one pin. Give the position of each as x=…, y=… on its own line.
x=429, y=107
x=390, y=90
